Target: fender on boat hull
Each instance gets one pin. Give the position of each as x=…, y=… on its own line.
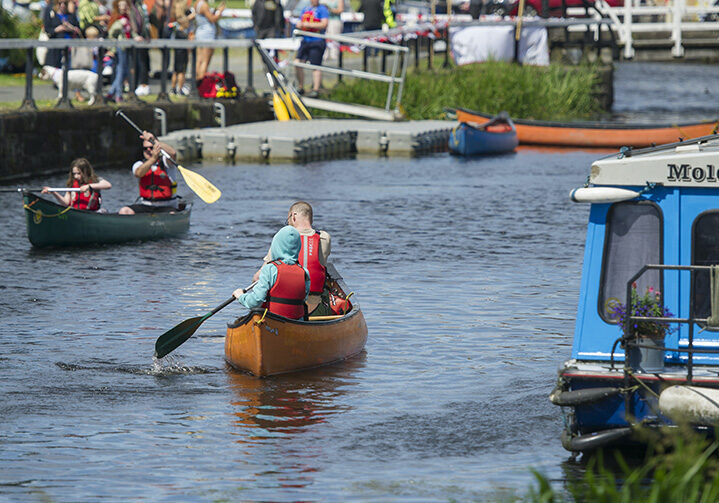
x=581, y=396
x=591, y=441
x=694, y=404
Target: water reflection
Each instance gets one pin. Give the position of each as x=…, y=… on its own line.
x=289, y=404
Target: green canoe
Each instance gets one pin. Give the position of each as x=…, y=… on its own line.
x=52, y=224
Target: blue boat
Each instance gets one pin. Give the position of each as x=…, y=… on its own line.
x=496, y=136
x=652, y=238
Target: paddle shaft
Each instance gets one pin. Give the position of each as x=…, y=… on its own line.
x=226, y=303
x=177, y=335
x=152, y=140
x=50, y=189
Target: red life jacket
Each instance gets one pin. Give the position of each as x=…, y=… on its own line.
x=310, y=259
x=287, y=296
x=157, y=185
x=83, y=202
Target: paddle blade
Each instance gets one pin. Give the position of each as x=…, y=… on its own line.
x=173, y=338
x=281, y=113
x=200, y=186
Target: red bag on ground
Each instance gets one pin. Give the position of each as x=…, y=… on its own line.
x=217, y=85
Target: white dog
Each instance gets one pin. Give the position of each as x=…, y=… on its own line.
x=76, y=79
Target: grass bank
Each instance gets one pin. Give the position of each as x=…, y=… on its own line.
x=679, y=465
x=555, y=92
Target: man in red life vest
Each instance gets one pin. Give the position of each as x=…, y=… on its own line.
x=157, y=179
x=316, y=247
x=283, y=284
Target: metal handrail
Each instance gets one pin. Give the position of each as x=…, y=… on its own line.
x=391, y=79
x=691, y=320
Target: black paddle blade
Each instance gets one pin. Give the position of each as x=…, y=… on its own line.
x=173, y=338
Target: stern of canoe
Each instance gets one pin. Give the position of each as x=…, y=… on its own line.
x=275, y=345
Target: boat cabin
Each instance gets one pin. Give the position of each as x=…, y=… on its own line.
x=653, y=224
x=666, y=214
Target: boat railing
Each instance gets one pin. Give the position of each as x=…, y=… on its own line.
x=630, y=339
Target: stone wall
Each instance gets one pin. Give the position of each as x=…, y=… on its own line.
x=43, y=142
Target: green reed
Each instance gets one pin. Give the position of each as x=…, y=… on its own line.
x=555, y=92
x=679, y=465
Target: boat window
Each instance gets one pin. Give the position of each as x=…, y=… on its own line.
x=705, y=251
x=633, y=239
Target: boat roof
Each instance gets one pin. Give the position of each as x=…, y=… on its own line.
x=691, y=163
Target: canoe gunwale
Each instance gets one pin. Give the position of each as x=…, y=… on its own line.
x=243, y=320
x=61, y=207
x=595, y=125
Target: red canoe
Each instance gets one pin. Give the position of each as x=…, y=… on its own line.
x=597, y=134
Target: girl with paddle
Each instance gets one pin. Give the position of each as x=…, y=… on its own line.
x=82, y=177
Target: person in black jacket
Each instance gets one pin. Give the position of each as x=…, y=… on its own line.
x=268, y=19
x=373, y=14
x=59, y=23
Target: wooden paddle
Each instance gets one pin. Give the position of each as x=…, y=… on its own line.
x=197, y=183
x=173, y=338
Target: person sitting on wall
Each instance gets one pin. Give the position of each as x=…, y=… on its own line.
x=157, y=178
x=283, y=284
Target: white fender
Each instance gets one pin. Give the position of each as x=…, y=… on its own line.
x=601, y=195
x=691, y=403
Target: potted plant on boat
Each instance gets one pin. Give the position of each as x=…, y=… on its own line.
x=643, y=339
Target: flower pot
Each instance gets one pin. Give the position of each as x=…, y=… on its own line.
x=647, y=359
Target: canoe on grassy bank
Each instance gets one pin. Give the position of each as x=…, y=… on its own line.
x=597, y=134
x=496, y=136
x=265, y=344
x=52, y=224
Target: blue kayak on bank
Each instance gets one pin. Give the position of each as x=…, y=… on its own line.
x=496, y=136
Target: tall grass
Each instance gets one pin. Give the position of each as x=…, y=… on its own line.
x=555, y=92
x=681, y=466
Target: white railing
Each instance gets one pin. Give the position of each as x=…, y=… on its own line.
x=674, y=19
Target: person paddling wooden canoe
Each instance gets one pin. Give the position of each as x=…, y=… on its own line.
x=316, y=248
x=82, y=177
x=157, y=179
x=283, y=284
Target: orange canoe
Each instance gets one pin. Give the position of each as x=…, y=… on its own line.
x=597, y=134
x=265, y=344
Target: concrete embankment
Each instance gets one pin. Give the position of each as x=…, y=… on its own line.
x=41, y=142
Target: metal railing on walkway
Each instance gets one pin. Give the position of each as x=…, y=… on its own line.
x=676, y=19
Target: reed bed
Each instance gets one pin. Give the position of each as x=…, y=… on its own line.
x=555, y=92
x=678, y=466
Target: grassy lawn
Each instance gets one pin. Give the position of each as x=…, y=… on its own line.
x=18, y=80
x=11, y=106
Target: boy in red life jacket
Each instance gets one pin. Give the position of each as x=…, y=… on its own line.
x=316, y=247
x=82, y=177
x=283, y=284
x=157, y=179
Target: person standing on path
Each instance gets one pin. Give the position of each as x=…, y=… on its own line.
x=314, y=18
x=206, y=31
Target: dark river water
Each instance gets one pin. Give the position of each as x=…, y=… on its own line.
x=467, y=272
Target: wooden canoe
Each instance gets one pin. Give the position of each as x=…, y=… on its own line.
x=52, y=224
x=597, y=134
x=265, y=344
